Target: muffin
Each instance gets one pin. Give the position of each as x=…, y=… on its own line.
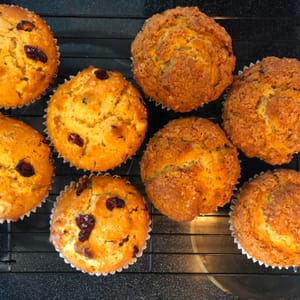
x=266, y=218
x=100, y=224
x=28, y=56
x=189, y=167
x=261, y=112
x=25, y=169
x=96, y=120
x=182, y=58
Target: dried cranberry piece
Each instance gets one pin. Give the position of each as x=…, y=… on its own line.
x=86, y=224
x=25, y=169
x=114, y=202
x=101, y=74
x=125, y=240
x=35, y=53
x=135, y=251
x=75, y=139
x=25, y=25
x=81, y=185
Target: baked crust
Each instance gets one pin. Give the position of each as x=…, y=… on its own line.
x=189, y=167
x=266, y=218
x=25, y=77
x=96, y=124
x=182, y=58
x=25, y=168
x=119, y=235
x=261, y=112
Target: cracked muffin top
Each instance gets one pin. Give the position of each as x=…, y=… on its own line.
x=262, y=110
x=189, y=167
x=28, y=56
x=182, y=58
x=96, y=120
x=25, y=169
x=266, y=218
x=100, y=224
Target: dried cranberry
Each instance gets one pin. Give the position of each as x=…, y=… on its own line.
x=86, y=224
x=25, y=169
x=25, y=25
x=35, y=53
x=125, y=240
x=135, y=251
x=101, y=74
x=81, y=185
x=114, y=202
x=75, y=139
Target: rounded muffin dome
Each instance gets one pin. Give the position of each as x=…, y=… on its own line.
x=96, y=120
x=262, y=112
x=182, y=58
x=26, y=169
x=265, y=218
x=189, y=167
x=29, y=56
x=100, y=224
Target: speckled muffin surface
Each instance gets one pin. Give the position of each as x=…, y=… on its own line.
x=261, y=113
x=25, y=169
x=96, y=120
x=189, y=167
x=266, y=218
x=182, y=58
x=100, y=224
x=28, y=56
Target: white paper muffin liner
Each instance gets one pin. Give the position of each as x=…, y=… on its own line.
x=43, y=93
x=34, y=209
x=40, y=204
x=66, y=161
x=133, y=261
x=235, y=239
x=226, y=92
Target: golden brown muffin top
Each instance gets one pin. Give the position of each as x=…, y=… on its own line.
x=182, y=58
x=28, y=56
x=189, y=167
x=116, y=219
x=261, y=113
x=96, y=120
x=266, y=218
x=25, y=168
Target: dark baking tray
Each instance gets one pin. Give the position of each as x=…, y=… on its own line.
x=183, y=260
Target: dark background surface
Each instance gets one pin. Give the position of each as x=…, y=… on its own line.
x=196, y=260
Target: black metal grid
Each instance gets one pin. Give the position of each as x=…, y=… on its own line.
x=182, y=260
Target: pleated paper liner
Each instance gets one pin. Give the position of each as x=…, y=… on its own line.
x=66, y=160
x=42, y=201
x=236, y=241
x=126, y=266
x=51, y=81
x=34, y=209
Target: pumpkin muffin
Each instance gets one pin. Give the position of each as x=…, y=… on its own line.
x=261, y=112
x=29, y=56
x=189, y=167
x=265, y=218
x=96, y=120
x=182, y=58
x=100, y=224
x=25, y=169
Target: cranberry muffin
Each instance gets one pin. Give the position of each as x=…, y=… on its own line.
x=265, y=218
x=29, y=56
x=182, y=58
x=189, y=167
x=25, y=169
x=96, y=120
x=100, y=224
x=261, y=112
